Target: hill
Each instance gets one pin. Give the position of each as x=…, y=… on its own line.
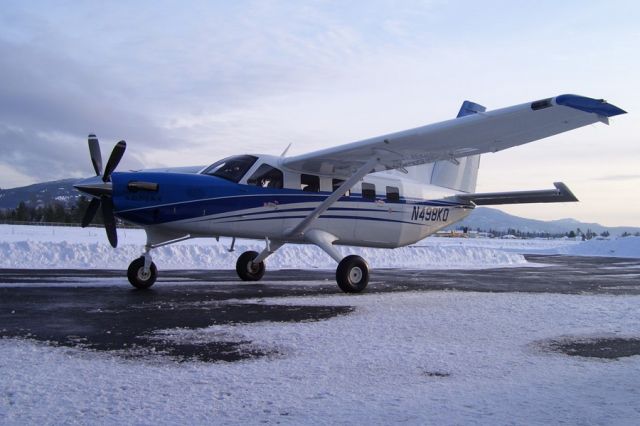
x=40, y=194
x=487, y=218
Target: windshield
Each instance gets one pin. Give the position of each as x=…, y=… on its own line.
x=231, y=168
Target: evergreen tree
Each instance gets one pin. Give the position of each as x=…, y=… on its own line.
x=22, y=213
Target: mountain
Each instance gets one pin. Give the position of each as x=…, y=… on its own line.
x=487, y=218
x=40, y=194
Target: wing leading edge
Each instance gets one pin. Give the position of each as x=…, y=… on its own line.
x=472, y=134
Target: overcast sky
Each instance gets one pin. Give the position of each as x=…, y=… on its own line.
x=189, y=82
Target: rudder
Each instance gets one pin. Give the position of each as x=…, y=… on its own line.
x=460, y=173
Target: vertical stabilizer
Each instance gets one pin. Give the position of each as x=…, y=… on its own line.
x=459, y=173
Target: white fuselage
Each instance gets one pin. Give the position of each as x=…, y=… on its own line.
x=384, y=221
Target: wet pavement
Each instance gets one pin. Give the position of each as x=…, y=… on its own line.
x=98, y=309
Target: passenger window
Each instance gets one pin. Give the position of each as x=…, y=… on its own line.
x=335, y=184
x=368, y=191
x=393, y=194
x=266, y=177
x=310, y=183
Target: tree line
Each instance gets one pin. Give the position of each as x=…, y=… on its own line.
x=574, y=233
x=51, y=212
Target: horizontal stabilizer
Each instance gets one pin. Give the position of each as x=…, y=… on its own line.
x=561, y=194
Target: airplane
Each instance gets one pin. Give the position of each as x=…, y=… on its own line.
x=388, y=191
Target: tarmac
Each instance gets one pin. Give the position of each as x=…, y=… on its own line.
x=98, y=310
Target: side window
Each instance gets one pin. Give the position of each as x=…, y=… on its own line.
x=368, y=191
x=393, y=194
x=266, y=177
x=335, y=184
x=310, y=183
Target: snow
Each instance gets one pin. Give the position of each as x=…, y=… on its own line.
x=620, y=247
x=439, y=357
x=417, y=358
x=70, y=247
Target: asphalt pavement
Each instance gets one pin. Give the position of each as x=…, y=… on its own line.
x=98, y=310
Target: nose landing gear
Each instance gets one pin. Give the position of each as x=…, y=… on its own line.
x=142, y=272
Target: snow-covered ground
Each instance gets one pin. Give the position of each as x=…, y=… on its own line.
x=416, y=358
x=440, y=357
x=68, y=247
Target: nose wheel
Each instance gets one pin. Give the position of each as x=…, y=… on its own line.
x=141, y=277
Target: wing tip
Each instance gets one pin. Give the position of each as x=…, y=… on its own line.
x=596, y=106
x=565, y=192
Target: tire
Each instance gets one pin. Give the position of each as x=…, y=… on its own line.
x=138, y=278
x=245, y=268
x=352, y=274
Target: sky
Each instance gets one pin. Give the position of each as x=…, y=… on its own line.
x=187, y=83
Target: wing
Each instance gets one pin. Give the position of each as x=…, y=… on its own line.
x=468, y=135
x=559, y=195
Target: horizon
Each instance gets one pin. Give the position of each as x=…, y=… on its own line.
x=497, y=208
x=183, y=84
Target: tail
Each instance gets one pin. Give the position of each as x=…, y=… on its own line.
x=460, y=173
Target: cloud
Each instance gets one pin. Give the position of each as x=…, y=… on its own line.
x=188, y=85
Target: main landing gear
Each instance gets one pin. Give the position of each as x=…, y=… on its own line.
x=247, y=269
x=352, y=274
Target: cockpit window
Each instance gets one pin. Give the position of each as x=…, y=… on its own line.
x=231, y=168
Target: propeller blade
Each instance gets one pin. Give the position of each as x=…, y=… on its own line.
x=91, y=211
x=96, y=156
x=109, y=221
x=114, y=159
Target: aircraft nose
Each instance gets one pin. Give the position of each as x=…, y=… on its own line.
x=94, y=187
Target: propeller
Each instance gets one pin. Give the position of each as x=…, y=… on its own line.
x=102, y=192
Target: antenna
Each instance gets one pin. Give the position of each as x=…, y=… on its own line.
x=286, y=149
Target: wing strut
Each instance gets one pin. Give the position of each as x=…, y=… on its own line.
x=299, y=229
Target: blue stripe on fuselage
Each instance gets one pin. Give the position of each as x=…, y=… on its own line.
x=188, y=196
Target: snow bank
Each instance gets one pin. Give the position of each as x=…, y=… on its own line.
x=68, y=247
x=620, y=247
x=38, y=247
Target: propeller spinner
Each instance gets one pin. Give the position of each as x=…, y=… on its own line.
x=101, y=189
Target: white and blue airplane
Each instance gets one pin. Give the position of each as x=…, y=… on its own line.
x=388, y=191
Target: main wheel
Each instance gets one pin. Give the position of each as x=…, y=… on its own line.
x=137, y=275
x=246, y=269
x=352, y=274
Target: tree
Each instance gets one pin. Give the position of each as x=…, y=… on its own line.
x=22, y=213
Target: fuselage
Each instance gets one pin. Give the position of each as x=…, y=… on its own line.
x=384, y=210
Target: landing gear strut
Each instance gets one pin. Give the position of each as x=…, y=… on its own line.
x=352, y=274
x=142, y=277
